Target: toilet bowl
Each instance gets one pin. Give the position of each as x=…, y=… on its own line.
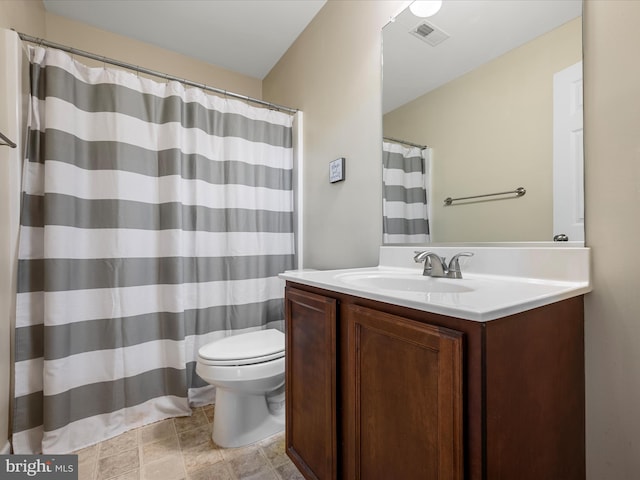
x=248, y=373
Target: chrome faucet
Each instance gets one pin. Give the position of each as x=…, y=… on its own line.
x=436, y=266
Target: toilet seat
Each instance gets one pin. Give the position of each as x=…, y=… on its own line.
x=246, y=371
x=244, y=349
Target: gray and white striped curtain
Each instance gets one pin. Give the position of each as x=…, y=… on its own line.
x=405, y=213
x=155, y=219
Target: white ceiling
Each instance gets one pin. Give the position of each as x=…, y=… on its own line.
x=480, y=30
x=244, y=36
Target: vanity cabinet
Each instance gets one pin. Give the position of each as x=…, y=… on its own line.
x=311, y=383
x=403, y=391
x=379, y=391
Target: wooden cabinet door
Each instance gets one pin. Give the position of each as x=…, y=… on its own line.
x=311, y=429
x=404, y=391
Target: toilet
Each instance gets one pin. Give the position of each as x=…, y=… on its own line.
x=248, y=373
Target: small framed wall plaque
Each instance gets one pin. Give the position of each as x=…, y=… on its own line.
x=336, y=170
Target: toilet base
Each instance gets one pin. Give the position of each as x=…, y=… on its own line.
x=242, y=419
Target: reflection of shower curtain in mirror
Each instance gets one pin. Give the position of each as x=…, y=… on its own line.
x=405, y=177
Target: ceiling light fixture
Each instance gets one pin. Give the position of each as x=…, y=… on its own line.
x=425, y=8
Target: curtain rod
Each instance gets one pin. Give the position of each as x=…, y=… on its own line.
x=6, y=142
x=411, y=144
x=138, y=69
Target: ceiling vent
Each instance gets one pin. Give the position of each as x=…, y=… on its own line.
x=429, y=33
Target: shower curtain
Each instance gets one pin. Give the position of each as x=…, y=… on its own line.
x=405, y=177
x=155, y=219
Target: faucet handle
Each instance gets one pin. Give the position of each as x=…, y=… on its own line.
x=454, y=265
x=419, y=256
x=424, y=256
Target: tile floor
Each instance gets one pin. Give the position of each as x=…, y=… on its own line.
x=181, y=448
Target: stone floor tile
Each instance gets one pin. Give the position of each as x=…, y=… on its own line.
x=196, y=420
x=160, y=449
x=118, y=464
x=200, y=456
x=182, y=448
x=274, y=449
x=157, y=431
x=208, y=412
x=132, y=475
x=169, y=467
x=249, y=464
x=288, y=471
x=196, y=437
x=219, y=471
x=125, y=441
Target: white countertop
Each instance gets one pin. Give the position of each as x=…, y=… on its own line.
x=484, y=297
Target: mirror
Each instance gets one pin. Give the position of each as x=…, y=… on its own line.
x=494, y=88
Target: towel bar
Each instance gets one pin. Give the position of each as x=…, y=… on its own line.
x=519, y=192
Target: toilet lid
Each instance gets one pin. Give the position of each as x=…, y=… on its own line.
x=244, y=349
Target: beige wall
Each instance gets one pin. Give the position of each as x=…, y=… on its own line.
x=612, y=169
x=491, y=130
x=26, y=16
x=332, y=73
x=30, y=17
x=85, y=37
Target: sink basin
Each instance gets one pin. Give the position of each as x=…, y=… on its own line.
x=405, y=282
